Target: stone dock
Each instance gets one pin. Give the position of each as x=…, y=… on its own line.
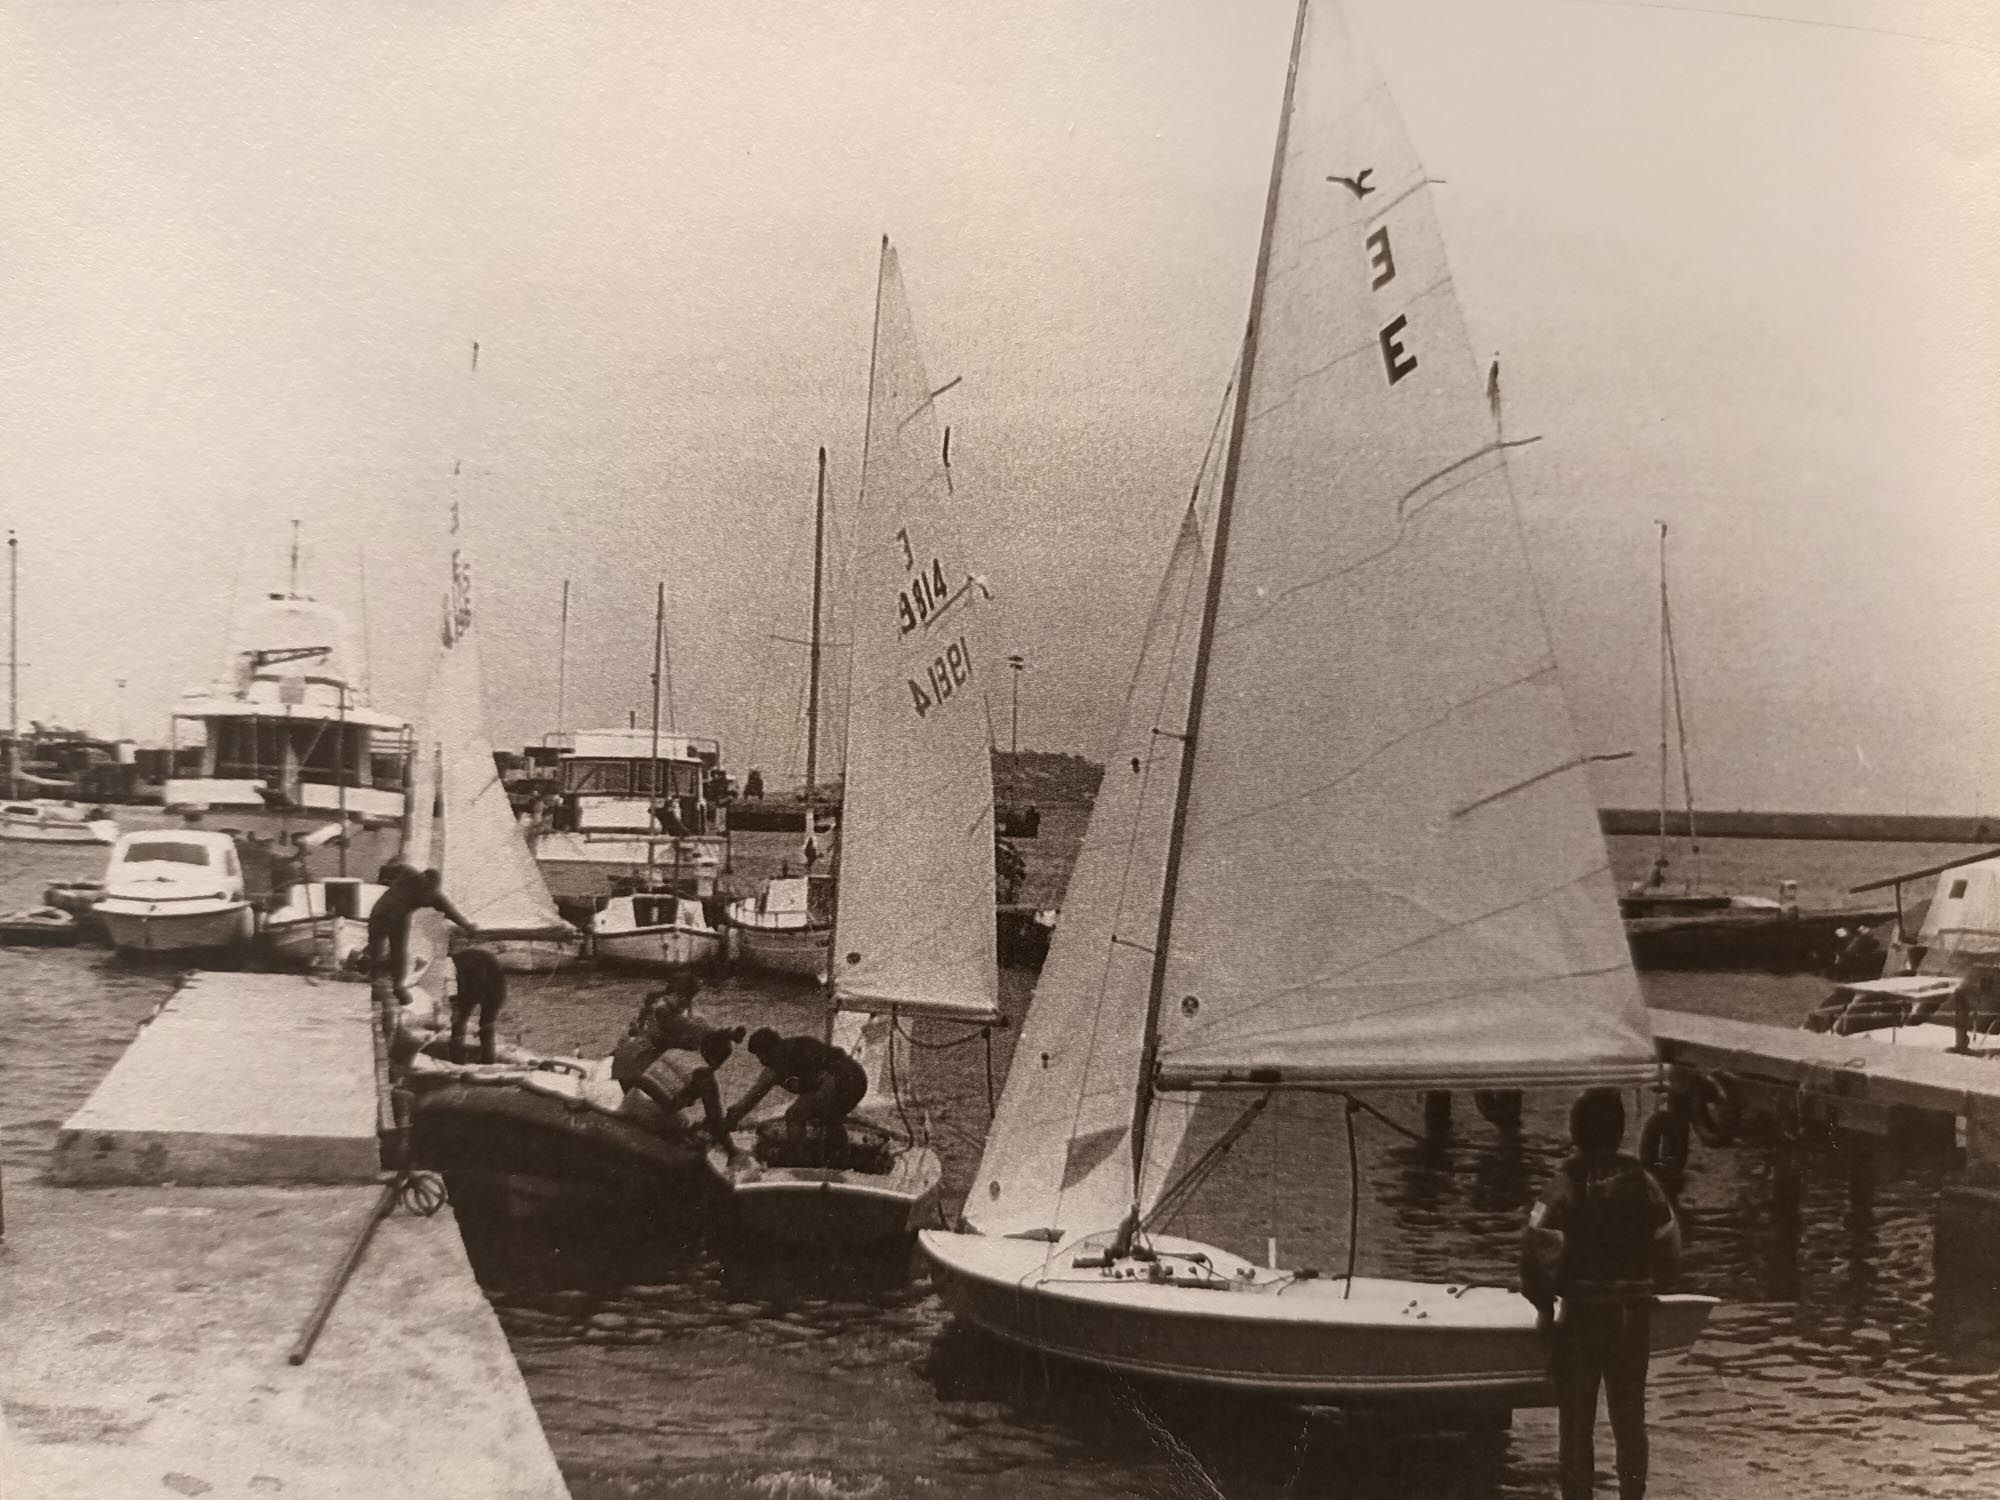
x=153, y=1287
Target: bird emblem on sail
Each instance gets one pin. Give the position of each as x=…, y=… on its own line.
x=1358, y=184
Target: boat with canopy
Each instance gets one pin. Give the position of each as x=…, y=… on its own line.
x=1346, y=844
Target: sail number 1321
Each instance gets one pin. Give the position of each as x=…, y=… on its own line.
x=944, y=674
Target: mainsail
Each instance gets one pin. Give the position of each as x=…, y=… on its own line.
x=914, y=929
x=1058, y=1159
x=1390, y=871
x=488, y=871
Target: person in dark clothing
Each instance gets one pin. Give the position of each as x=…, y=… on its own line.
x=827, y=1081
x=1602, y=1239
x=482, y=987
x=388, y=952
x=674, y=1086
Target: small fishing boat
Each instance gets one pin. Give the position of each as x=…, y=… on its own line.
x=1371, y=719
x=786, y=928
x=654, y=930
x=318, y=924
x=177, y=891
x=913, y=921
x=39, y=927
x=40, y=821
x=656, y=926
x=551, y=1135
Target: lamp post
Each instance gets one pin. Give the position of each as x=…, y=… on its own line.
x=1019, y=663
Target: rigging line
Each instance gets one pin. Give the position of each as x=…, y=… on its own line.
x=1812, y=21
x=925, y=405
x=1353, y=1199
x=1572, y=764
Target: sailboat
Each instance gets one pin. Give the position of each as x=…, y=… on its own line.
x=488, y=872
x=913, y=921
x=1378, y=865
x=786, y=927
x=651, y=927
x=23, y=817
x=1688, y=925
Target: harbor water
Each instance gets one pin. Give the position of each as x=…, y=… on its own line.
x=667, y=1360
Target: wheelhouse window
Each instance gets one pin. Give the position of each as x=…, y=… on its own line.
x=165, y=851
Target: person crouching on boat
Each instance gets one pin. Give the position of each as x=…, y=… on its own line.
x=827, y=1081
x=388, y=950
x=673, y=1086
x=1603, y=1238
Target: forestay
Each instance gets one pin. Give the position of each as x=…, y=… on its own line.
x=1058, y=1159
x=1391, y=871
x=914, y=930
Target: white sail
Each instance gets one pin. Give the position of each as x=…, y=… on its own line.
x=914, y=929
x=488, y=871
x=1058, y=1159
x=420, y=808
x=1391, y=871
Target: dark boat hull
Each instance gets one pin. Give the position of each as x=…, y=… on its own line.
x=1773, y=941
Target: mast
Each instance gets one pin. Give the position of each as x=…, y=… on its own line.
x=13, y=666
x=1142, y=1107
x=812, y=659
x=1660, y=859
x=653, y=765
x=293, y=588
x=1672, y=664
x=562, y=659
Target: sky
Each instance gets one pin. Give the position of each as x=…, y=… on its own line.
x=1740, y=270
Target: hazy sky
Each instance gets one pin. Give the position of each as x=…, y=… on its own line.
x=1742, y=276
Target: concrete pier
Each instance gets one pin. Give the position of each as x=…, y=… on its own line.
x=145, y=1329
x=239, y=1078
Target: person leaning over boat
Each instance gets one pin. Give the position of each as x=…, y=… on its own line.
x=667, y=1023
x=1603, y=1239
x=388, y=950
x=827, y=1081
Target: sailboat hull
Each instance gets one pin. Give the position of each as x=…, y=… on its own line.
x=799, y=952
x=1234, y=1325
x=815, y=1208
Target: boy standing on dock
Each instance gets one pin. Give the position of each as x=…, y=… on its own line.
x=1603, y=1238
x=388, y=951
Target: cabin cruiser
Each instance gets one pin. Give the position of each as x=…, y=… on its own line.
x=624, y=814
x=175, y=891
x=286, y=741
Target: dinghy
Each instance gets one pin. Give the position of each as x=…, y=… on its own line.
x=1346, y=843
x=913, y=913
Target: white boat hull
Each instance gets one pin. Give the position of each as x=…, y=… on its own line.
x=1231, y=1324
x=658, y=947
x=813, y=1208
x=324, y=943
x=176, y=926
x=800, y=952
x=57, y=830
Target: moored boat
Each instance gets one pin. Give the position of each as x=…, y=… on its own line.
x=549, y=1136
x=654, y=930
x=1349, y=689
x=786, y=928
x=40, y=821
x=175, y=892
x=39, y=927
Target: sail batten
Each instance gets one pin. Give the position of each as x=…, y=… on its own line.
x=914, y=927
x=1384, y=875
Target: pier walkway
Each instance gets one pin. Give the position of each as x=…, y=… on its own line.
x=152, y=1289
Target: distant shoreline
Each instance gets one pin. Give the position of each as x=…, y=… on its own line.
x=1899, y=828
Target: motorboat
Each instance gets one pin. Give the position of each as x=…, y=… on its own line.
x=175, y=891
x=40, y=821
x=654, y=930
x=787, y=927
